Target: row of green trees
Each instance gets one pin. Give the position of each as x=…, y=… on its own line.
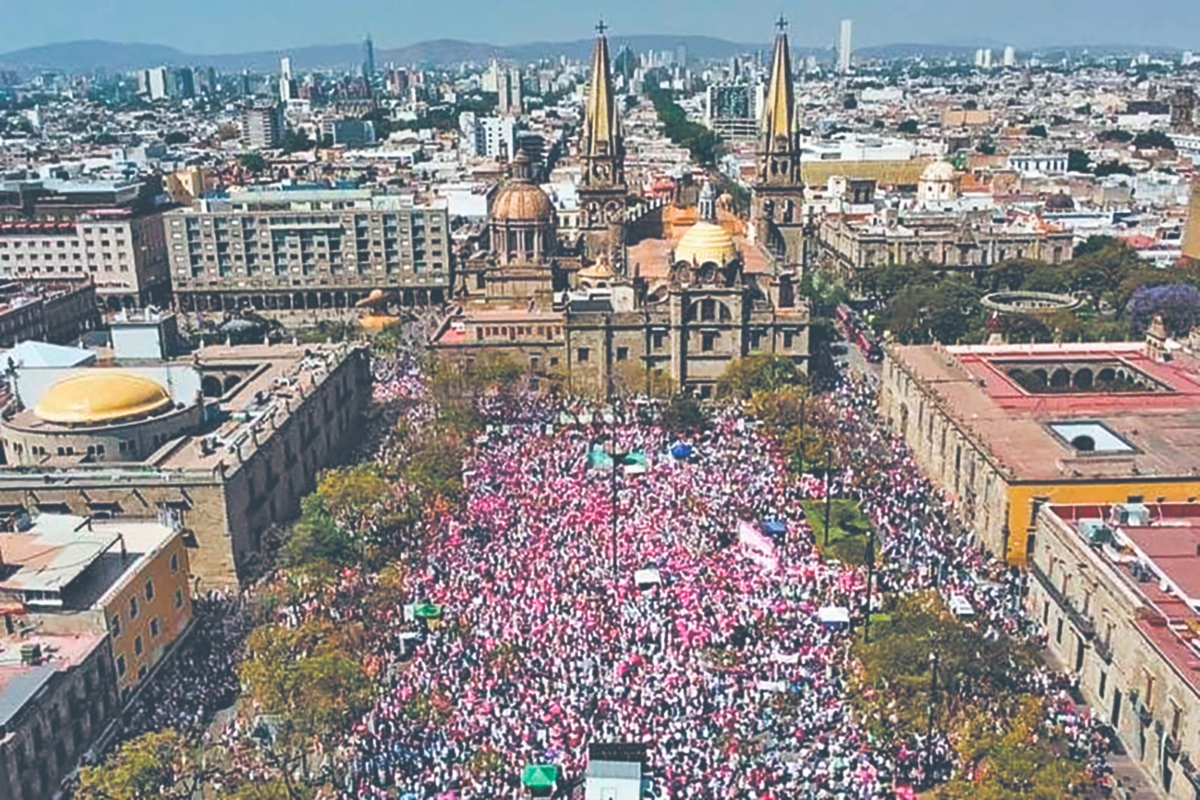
x=700, y=141
x=921, y=303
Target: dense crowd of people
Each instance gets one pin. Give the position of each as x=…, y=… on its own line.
x=684, y=624
x=720, y=663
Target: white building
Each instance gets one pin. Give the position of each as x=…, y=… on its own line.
x=1038, y=163
x=1010, y=56
x=844, y=46
x=495, y=136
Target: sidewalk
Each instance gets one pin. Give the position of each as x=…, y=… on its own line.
x=1134, y=782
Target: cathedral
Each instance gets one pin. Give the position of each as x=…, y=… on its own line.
x=649, y=299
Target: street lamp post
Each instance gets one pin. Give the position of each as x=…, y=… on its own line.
x=933, y=670
x=870, y=575
x=828, y=497
x=803, y=400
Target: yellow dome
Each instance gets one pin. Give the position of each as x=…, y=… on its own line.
x=101, y=395
x=705, y=242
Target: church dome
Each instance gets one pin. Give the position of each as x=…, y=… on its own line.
x=938, y=172
x=522, y=202
x=101, y=396
x=705, y=242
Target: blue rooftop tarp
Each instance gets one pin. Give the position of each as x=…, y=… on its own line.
x=681, y=450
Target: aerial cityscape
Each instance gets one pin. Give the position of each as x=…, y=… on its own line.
x=623, y=413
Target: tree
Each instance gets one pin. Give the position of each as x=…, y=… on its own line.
x=1106, y=168
x=682, y=414
x=1153, y=140
x=253, y=162
x=317, y=542
x=907, y=126
x=850, y=102
x=151, y=766
x=296, y=140
x=1177, y=303
x=986, y=147
x=1010, y=757
x=175, y=137
x=301, y=684
x=759, y=372
x=1038, y=130
x=1115, y=135
x=1078, y=161
x=227, y=131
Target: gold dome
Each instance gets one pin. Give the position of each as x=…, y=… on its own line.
x=101, y=395
x=519, y=201
x=705, y=242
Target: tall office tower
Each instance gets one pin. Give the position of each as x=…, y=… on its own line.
x=1010, y=56
x=491, y=78
x=845, y=47
x=508, y=91
x=987, y=58
x=287, y=87
x=778, y=189
x=157, y=82
x=979, y=58
x=368, y=59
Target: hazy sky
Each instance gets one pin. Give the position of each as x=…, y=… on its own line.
x=227, y=26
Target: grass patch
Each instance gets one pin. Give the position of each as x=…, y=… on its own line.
x=849, y=531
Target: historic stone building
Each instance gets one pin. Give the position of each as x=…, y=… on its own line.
x=669, y=298
x=222, y=443
x=1006, y=429
x=964, y=242
x=1114, y=584
x=778, y=191
x=602, y=188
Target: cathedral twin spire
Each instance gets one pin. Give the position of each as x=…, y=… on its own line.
x=603, y=148
x=779, y=151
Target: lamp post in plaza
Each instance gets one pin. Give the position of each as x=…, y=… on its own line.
x=803, y=400
x=933, y=670
x=870, y=576
x=828, y=496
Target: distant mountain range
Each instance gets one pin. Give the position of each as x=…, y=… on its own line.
x=90, y=56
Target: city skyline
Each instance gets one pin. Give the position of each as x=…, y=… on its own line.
x=274, y=25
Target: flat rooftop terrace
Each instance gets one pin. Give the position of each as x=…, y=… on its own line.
x=1158, y=424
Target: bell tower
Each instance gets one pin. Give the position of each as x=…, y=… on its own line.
x=602, y=188
x=778, y=191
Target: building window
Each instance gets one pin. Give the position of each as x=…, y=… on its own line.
x=1058, y=633
x=133, y=608
x=174, y=562
x=179, y=598
x=141, y=672
x=708, y=342
x=154, y=628
x=120, y=665
x=137, y=646
x=115, y=625
x=1103, y=683
x=622, y=353
x=149, y=591
x=708, y=310
x=787, y=339
x=583, y=355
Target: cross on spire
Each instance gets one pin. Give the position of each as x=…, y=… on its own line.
x=601, y=27
x=782, y=23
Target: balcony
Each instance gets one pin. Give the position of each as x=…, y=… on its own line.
x=1144, y=713
x=1081, y=623
x=1174, y=746
x=1104, y=650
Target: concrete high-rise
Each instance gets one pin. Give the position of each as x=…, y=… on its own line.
x=368, y=59
x=287, y=86
x=262, y=127
x=845, y=46
x=1010, y=56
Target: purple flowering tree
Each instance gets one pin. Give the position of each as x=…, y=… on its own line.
x=1177, y=303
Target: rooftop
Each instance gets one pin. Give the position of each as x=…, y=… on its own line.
x=1148, y=411
x=1153, y=549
